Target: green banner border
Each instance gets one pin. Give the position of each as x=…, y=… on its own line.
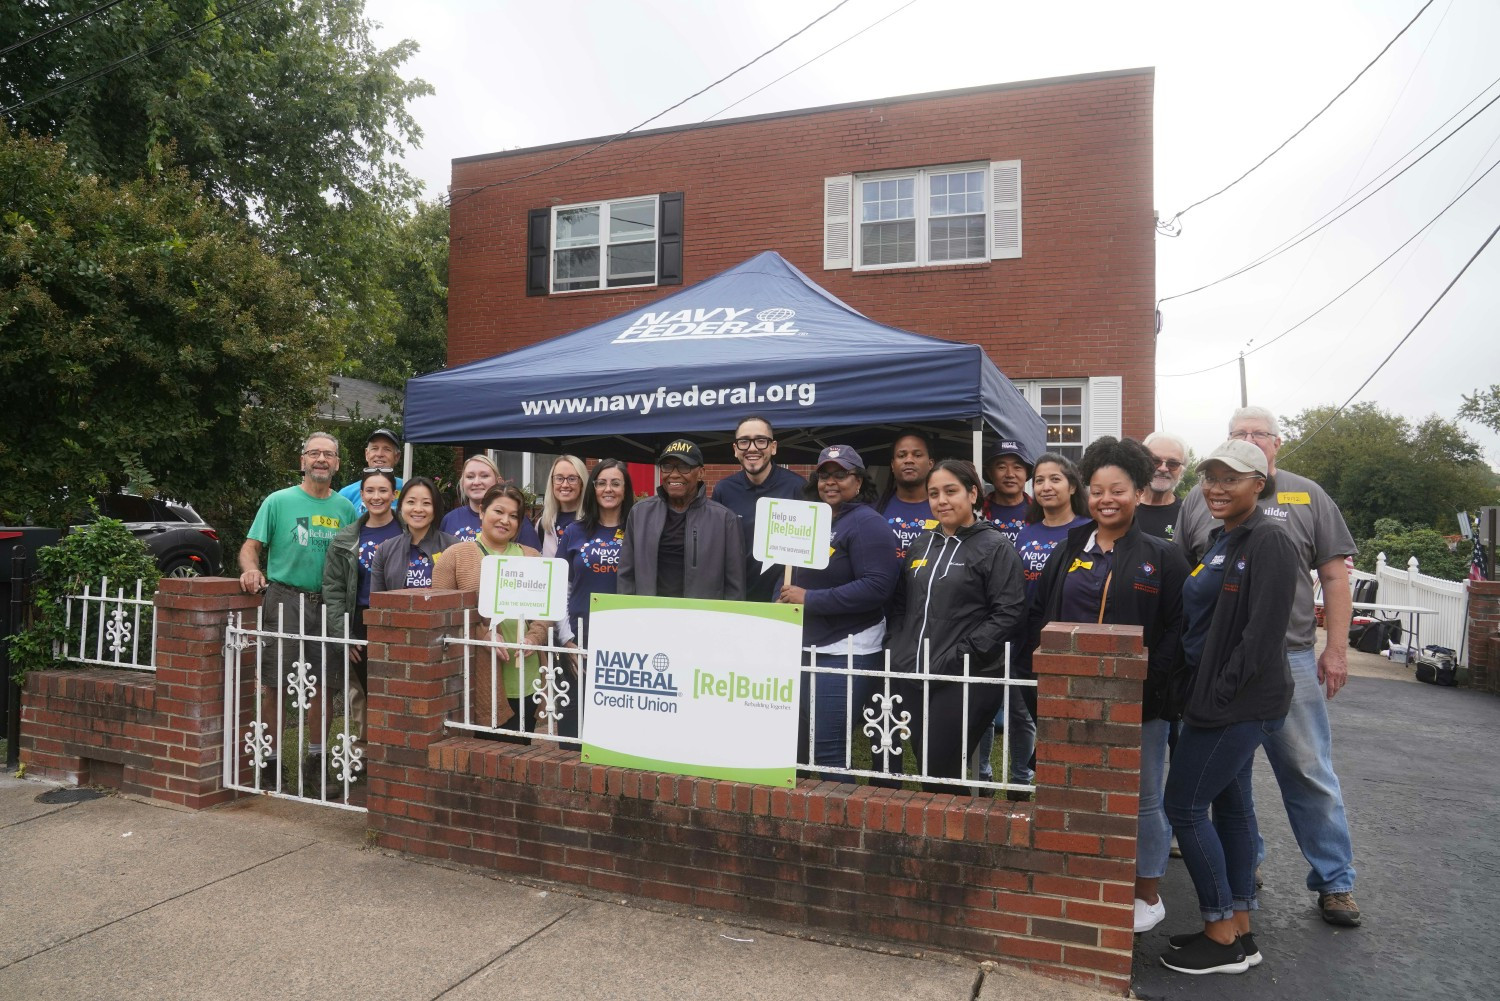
x=754, y=609
x=593, y=754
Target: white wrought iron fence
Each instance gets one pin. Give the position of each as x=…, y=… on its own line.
x=550, y=706
x=276, y=701
x=110, y=630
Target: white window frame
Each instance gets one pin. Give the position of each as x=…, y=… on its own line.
x=603, y=245
x=1101, y=404
x=922, y=196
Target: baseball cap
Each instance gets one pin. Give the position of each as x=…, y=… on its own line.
x=385, y=433
x=1241, y=456
x=841, y=455
x=683, y=451
x=1010, y=447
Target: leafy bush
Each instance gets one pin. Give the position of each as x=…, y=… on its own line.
x=1400, y=544
x=105, y=548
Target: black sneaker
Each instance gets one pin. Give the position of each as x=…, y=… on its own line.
x=1247, y=942
x=1203, y=955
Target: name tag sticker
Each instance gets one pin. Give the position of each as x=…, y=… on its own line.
x=1290, y=497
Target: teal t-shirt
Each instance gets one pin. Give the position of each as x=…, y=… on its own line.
x=295, y=529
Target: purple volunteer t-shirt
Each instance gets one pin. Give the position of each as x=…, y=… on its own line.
x=1036, y=543
x=1009, y=518
x=908, y=520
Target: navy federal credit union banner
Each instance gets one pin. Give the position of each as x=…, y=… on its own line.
x=692, y=687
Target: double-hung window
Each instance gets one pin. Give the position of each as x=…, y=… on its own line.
x=956, y=214
x=604, y=245
x=618, y=243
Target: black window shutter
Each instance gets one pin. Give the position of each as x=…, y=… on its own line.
x=538, y=251
x=669, y=240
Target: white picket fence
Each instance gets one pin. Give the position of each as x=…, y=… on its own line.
x=1449, y=598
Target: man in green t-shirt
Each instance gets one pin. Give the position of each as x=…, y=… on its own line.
x=294, y=527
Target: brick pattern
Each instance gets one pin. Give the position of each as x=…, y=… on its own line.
x=1047, y=887
x=1080, y=302
x=158, y=735
x=1484, y=635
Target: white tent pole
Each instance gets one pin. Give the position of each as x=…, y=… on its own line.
x=406, y=458
x=979, y=444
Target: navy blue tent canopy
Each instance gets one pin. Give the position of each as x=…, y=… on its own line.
x=760, y=338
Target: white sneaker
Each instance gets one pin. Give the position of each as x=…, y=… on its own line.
x=1148, y=916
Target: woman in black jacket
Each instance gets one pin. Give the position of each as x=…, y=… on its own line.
x=958, y=604
x=1108, y=570
x=1236, y=605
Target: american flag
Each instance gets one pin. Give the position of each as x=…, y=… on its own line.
x=1478, y=564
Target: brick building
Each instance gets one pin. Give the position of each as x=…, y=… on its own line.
x=1016, y=216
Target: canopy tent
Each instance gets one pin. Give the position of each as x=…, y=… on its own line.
x=760, y=338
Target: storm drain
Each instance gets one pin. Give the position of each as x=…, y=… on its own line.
x=70, y=795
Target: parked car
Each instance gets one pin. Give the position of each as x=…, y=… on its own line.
x=183, y=543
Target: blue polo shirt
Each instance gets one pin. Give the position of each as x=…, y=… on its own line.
x=1083, y=583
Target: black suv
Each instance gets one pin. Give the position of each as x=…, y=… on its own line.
x=183, y=543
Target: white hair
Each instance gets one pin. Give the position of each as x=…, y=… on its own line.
x=320, y=434
x=1256, y=414
x=1169, y=438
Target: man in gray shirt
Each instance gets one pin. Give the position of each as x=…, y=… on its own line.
x=1301, y=752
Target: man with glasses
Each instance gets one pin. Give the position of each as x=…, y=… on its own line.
x=294, y=527
x=1160, y=506
x=1301, y=752
x=759, y=476
x=680, y=544
x=381, y=452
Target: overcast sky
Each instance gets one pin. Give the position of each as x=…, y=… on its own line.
x=1231, y=84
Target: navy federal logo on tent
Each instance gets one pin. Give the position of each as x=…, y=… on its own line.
x=711, y=324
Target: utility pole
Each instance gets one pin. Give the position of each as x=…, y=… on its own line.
x=1244, y=401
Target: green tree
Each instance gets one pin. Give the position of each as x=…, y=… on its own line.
x=1379, y=465
x=1483, y=408
x=147, y=337
x=414, y=271
x=1400, y=544
x=285, y=110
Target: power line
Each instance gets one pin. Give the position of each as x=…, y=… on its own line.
x=59, y=25
x=231, y=12
x=1335, y=218
x=1261, y=347
x=674, y=136
x=1172, y=222
x=471, y=192
x=1402, y=341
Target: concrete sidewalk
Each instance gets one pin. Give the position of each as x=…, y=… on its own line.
x=122, y=897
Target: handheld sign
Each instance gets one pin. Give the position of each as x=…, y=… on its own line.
x=790, y=532
x=523, y=587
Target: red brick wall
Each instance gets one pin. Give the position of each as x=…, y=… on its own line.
x=1047, y=885
x=1080, y=302
x=158, y=735
x=1483, y=653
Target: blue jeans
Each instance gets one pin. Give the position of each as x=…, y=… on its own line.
x=1212, y=769
x=1301, y=756
x=832, y=725
x=1020, y=733
x=1154, y=837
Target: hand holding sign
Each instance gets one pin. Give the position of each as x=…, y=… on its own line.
x=792, y=533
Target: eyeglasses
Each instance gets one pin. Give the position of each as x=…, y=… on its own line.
x=1227, y=481
x=836, y=474
x=320, y=453
x=1171, y=464
x=760, y=442
x=379, y=469
x=1257, y=435
x=564, y=481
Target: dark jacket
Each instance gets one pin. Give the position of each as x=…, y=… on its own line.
x=388, y=571
x=341, y=575
x=963, y=594
x=1144, y=589
x=714, y=563
x=737, y=493
x=1244, y=674
x=850, y=594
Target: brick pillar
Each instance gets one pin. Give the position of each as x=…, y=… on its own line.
x=415, y=685
x=1482, y=650
x=191, y=615
x=1088, y=761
